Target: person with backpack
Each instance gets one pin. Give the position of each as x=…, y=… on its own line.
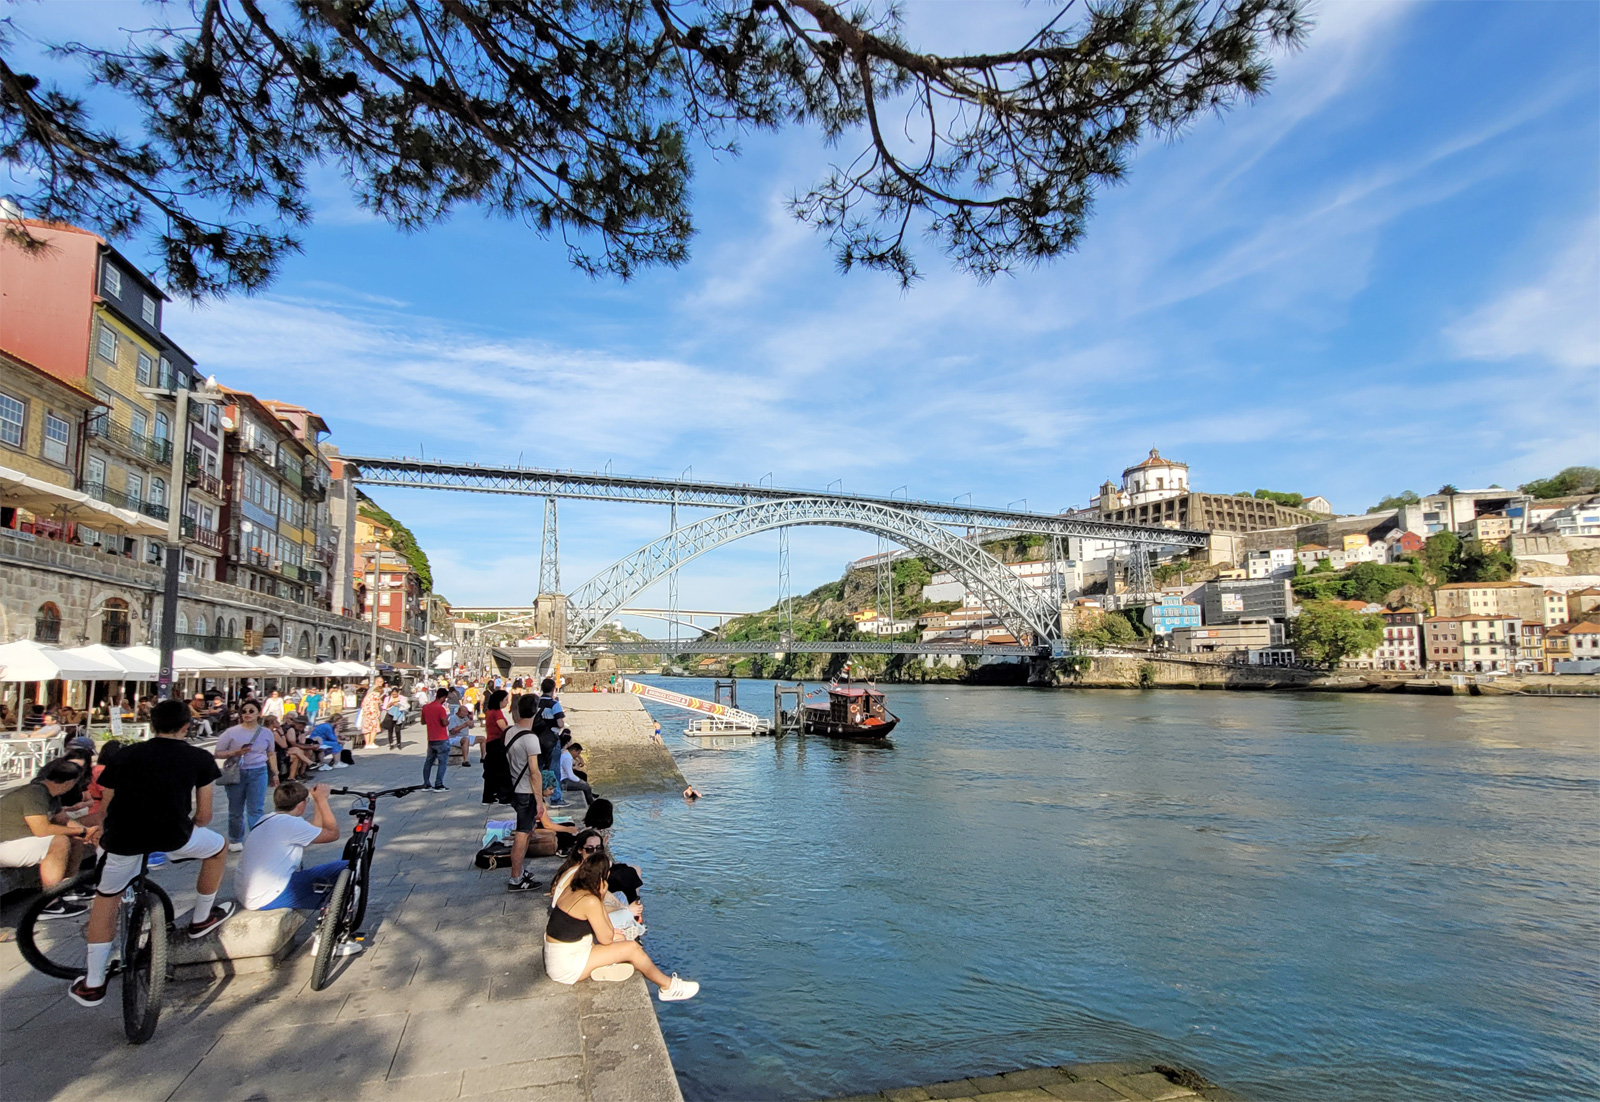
x=526, y=799
x=549, y=718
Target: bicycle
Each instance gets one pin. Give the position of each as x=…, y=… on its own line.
x=58, y=946
x=346, y=904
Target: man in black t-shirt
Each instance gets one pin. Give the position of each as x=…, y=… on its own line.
x=157, y=799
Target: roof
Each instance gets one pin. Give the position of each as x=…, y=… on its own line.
x=1155, y=460
x=76, y=390
x=1488, y=585
x=1402, y=608
x=1311, y=547
x=1589, y=592
x=1586, y=627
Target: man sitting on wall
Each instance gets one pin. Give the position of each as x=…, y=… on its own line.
x=31, y=837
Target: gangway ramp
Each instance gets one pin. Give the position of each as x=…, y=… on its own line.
x=733, y=720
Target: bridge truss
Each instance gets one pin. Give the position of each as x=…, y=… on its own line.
x=858, y=646
x=543, y=482
x=1022, y=608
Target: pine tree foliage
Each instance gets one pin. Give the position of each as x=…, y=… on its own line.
x=578, y=117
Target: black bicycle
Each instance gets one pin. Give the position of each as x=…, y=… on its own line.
x=58, y=946
x=346, y=904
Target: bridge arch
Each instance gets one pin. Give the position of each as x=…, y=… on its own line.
x=1018, y=605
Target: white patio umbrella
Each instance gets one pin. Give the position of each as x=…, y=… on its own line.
x=184, y=659
x=299, y=666
x=135, y=667
x=26, y=660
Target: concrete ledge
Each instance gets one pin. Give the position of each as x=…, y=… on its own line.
x=616, y=733
x=250, y=941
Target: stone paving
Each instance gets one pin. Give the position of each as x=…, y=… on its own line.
x=1104, y=1082
x=450, y=1000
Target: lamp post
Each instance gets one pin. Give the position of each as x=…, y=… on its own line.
x=181, y=396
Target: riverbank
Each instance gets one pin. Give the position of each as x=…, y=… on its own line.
x=1170, y=671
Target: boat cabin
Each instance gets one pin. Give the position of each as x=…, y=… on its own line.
x=857, y=706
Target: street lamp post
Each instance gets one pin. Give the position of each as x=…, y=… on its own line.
x=181, y=397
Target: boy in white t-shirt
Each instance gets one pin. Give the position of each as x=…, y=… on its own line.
x=269, y=876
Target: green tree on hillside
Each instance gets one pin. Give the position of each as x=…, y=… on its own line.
x=1438, y=555
x=1395, y=501
x=1324, y=634
x=1572, y=480
x=403, y=541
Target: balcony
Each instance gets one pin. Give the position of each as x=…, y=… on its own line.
x=201, y=479
x=152, y=509
x=101, y=492
x=290, y=472
x=311, y=577
x=315, y=488
x=205, y=537
x=148, y=449
x=254, y=556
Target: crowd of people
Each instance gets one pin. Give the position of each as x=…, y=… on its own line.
x=134, y=800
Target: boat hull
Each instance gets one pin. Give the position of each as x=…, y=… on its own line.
x=816, y=722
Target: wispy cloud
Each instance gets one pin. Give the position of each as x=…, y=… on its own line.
x=1555, y=318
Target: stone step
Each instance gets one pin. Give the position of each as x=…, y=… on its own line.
x=250, y=941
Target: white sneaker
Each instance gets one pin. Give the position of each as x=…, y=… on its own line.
x=235, y=847
x=678, y=990
x=341, y=765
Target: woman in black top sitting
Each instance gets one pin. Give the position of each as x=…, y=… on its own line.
x=579, y=938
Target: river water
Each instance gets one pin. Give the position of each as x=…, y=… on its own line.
x=1300, y=895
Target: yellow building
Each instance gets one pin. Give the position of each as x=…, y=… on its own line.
x=1355, y=541
x=41, y=422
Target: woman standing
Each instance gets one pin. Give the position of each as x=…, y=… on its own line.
x=252, y=745
x=496, y=773
x=372, y=714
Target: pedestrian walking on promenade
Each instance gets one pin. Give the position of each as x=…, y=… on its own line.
x=251, y=744
x=371, y=714
x=436, y=717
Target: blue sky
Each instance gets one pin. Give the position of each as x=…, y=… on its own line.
x=1383, y=275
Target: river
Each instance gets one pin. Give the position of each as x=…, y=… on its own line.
x=1334, y=896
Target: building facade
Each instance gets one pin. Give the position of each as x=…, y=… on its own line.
x=1519, y=599
x=1228, y=602
x=1171, y=613
x=1472, y=644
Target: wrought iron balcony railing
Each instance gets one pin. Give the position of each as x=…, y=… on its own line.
x=151, y=449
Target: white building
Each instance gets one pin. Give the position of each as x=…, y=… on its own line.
x=1036, y=575
x=1277, y=562
x=1574, y=520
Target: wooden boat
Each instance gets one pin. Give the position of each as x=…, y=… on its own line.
x=851, y=712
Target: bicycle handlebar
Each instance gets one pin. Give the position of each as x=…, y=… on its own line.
x=397, y=793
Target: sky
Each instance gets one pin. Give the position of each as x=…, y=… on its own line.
x=1383, y=275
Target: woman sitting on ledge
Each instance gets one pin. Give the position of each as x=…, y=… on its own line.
x=579, y=938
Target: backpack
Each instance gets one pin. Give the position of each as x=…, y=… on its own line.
x=495, y=855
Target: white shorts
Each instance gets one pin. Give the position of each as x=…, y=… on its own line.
x=121, y=868
x=22, y=853
x=564, y=961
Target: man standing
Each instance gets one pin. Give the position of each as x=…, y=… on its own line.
x=437, y=719
x=157, y=798
x=521, y=744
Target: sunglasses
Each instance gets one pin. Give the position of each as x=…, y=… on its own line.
x=592, y=849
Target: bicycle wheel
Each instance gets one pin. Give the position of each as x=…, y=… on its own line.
x=144, y=972
x=56, y=946
x=330, y=929
x=359, y=888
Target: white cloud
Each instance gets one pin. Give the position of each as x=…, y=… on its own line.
x=1555, y=318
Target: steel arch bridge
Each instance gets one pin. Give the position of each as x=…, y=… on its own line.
x=1018, y=605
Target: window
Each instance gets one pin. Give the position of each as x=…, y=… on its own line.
x=158, y=492
x=57, y=435
x=108, y=342
x=163, y=426
x=139, y=423
x=47, y=624
x=165, y=380
x=200, y=625
x=153, y=552
x=148, y=311
x=111, y=280
x=182, y=623
x=135, y=486
x=97, y=471
x=147, y=368
x=11, y=420
x=114, y=628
